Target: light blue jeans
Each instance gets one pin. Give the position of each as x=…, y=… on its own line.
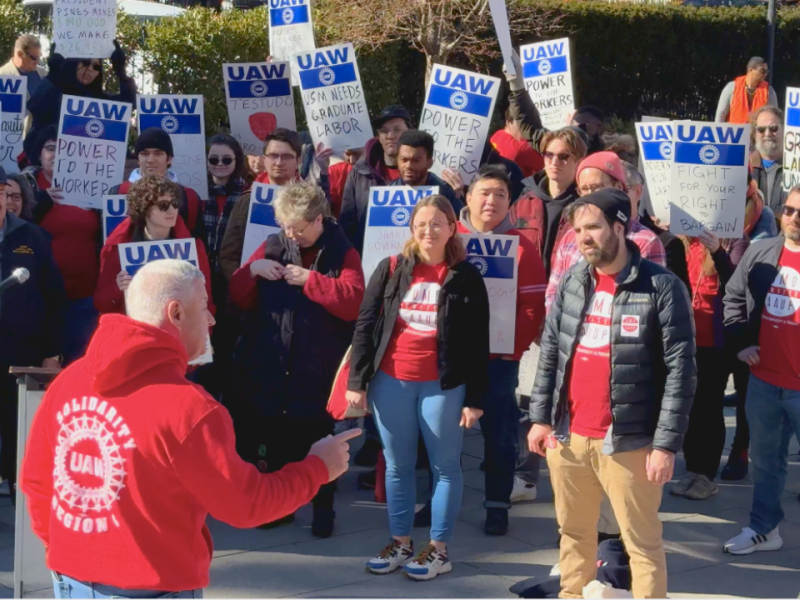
x=402, y=409
x=67, y=587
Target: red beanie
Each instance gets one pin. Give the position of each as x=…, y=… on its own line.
x=608, y=162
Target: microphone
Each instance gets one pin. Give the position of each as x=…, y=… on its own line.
x=17, y=277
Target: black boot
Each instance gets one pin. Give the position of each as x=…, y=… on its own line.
x=496, y=521
x=322, y=524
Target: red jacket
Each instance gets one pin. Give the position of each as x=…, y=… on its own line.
x=519, y=151
x=126, y=459
x=108, y=298
x=337, y=175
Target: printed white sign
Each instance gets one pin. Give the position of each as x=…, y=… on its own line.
x=708, y=178
x=261, y=221
x=791, y=140
x=115, y=211
x=495, y=256
x=548, y=79
x=333, y=97
x=655, y=150
x=13, y=98
x=388, y=219
x=259, y=100
x=91, y=150
x=135, y=255
x=291, y=30
x=183, y=118
x=457, y=113
x=501, y=28
x=84, y=29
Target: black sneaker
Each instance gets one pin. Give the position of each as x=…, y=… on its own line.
x=423, y=517
x=322, y=525
x=496, y=521
x=736, y=469
x=366, y=481
x=367, y=456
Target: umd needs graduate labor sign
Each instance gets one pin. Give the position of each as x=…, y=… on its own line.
x=548, y=80
x=261, y=221
x=457, y=113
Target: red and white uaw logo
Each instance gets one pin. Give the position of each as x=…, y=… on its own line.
x=93, y=445
x=783, y=298
x=419, y=306
x=630, y=326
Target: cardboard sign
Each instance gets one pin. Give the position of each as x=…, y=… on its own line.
x=84, y=29
x=655, y=150
x=13, y=98
x=91, y=150
x=388, y=219
x=183, y=118
x=495, y=256
x=135, y=255
x=708, y=178
x=261, y=221
x=501, y=28
x=291, y=30
x=791, y=140
x=115, y=211
x=457, y=113
x=259, y=99
x=333, y=97
x=528, y=365
x=548, y=79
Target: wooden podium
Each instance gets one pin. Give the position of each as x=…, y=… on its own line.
x=30, y=572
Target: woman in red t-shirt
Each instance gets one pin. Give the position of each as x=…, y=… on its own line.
x=422, y=345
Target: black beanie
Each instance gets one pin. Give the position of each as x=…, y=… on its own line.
x=154, y=137
x=613, y=202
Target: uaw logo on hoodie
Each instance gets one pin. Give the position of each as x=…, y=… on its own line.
x=258, y=81
x=93, y=445
x=287, y=12
x=95, y=119
x=174, y=114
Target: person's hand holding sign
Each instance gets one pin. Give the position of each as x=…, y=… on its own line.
x=268, y=269
x=453, y=179
x=295, y=275
x=323, y=158
x=709, y=240
x=123, y=280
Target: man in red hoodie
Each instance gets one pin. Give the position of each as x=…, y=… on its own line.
x=126, y=458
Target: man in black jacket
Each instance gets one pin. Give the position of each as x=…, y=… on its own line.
x=612, y=394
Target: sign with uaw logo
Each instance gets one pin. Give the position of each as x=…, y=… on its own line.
x=259, y=99
x=135, y=255
x=115, y=209
x=13, y=99
x=291, y=29
x=457, y=113
x=655, y=148
x=495, y=256
x=791, y=139
x=548, y=80
x=183, y=118
x=388, y=220
x=91, y=149
x=708, y=178
x=261, y=221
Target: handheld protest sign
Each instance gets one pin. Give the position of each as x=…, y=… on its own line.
x=115, y=210
x=791, y=140
x=333, y=97
x=388, y=219
x=85, y=30
x=655, y=150
x=135, y=255
x=261, y=221
x=495, y=256
x=457, y=113
x=708, y=178
x=13, y=100
x=547, y=73
x=183, y=118
x=259, y=99
x=291, y=30
x=91, y=149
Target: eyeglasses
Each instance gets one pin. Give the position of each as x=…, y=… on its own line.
x=591, y=189
x=397, y=131
x=789, y=211
x=433, y=226
x=274, y=157
x=225, y=160
x=17, y=197
x=165, y=205
x=88, y=63
x=772, y=128
x=32, y=57
x=562, y=157
x=295, y=231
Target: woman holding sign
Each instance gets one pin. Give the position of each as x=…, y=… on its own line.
x=422, y=346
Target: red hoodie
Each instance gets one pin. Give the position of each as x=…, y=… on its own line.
x=126, y=459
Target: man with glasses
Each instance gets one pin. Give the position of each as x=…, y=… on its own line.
x=746, y=94
x=25, y=62
x=766, y=162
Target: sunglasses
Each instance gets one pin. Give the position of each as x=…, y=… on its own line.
x=225, y=160
x=789, y=211
x=561, y=156
x=89, y=63
x=165, y=205
x=772, y=128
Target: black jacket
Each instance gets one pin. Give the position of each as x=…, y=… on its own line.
x=462, y=327
x=653, y=374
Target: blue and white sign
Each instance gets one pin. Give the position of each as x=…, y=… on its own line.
x=183, y=118
x=13, y=97
x=115, y=211
x=655, y=149
x=135, y=255
x=548, y=80
x=388, y=220
x=84, y=29
x=791, y=140
x=457, y=113
x=91, y=150
x=259, y=100
x=709, y=178
x=495, y=256
x=261, y=221
x=333, y=97
x=291, y=29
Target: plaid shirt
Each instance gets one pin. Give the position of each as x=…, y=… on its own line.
x=568, y=254
x=214, y=221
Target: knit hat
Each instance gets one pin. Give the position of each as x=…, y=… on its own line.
x=608, y=162
x=394, y=111
x=613, y=202
x=154, y=137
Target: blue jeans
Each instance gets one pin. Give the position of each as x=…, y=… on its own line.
x=67, y=587
x=773, y=414
x=402, y=409
x=80, y=322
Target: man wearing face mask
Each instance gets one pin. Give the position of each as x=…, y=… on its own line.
x=766, y=127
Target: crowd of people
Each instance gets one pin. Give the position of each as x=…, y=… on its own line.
x=638, y=331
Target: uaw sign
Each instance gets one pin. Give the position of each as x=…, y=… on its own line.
x=84, y=29
x=91, y=149
x=290, y=29
x=791, y=139
x=261, y=221
x=333, y=97
x=655, y=149
x=135, y=255
x=13, y=96
x=388, y=220
x=259, y=99
x=709, y=178
x=182, y=117
x=115, y=210
x=457, y=113
x=548, y=80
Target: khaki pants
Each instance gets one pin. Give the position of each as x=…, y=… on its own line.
x=580, y=473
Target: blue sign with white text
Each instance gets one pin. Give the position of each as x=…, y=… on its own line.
x=94, y=128
x=288, y=15
x=545, y=66
x=326, y=76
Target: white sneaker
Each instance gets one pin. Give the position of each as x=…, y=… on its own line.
x=749, y=541
x=428, y=564
x=523, y=491
x=556, y=570
x=391, y=558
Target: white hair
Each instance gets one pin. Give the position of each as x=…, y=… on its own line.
x=157, y=284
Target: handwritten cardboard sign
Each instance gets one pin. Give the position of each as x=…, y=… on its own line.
x=548, y=78
x=13, y=98
x=84, y=29
x=291, y=29
x=655, y=150
x=791, y=140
